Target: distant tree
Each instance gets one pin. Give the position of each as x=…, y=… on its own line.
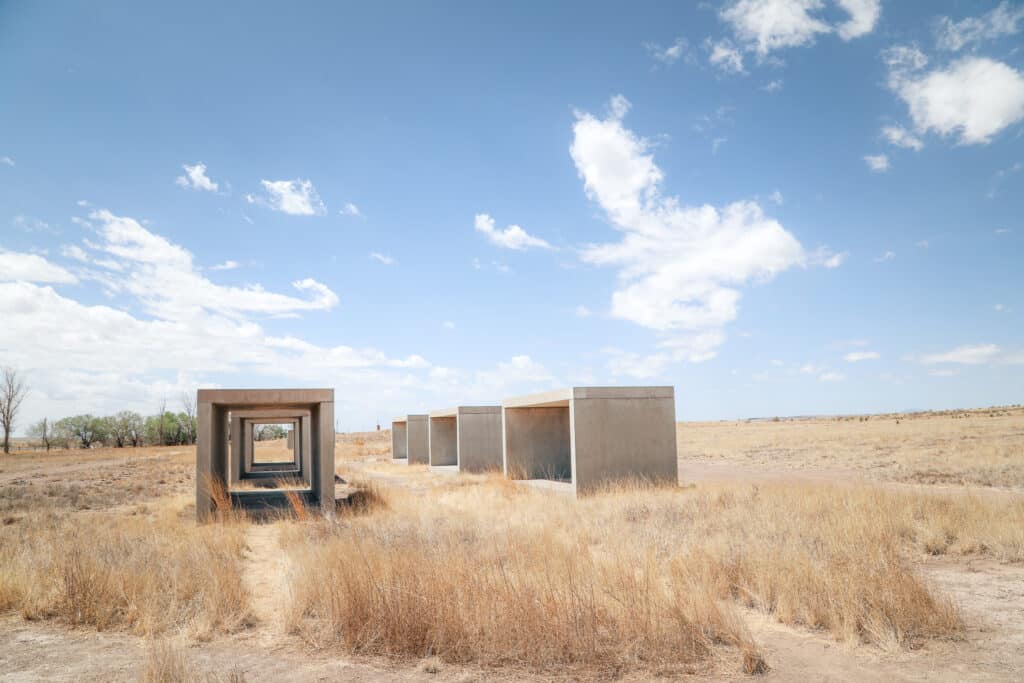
x=86, y=429
x=123, y=428
x=160, y=421
x=187, y=417
x=12, y=393
x=269, y=433
x=43, y=432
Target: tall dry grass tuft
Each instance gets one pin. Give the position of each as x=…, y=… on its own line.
x=477, y=588
x=148, y=576
x=218, y=492
x=166, y=663
x=637, y=577
x=367, y=497
x=297, y=505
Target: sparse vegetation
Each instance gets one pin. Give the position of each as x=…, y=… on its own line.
x=435, y=573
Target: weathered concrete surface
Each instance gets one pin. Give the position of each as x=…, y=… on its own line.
x=213, y=465
x=479, y=439
x=399, y=439
x=444, y=440
x=418, y=439
x=591, y=435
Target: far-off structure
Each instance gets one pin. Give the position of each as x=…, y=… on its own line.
x=410, y=439
x=225, y=450
x=576, y=439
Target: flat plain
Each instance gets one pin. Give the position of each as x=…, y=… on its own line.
x=885, y=547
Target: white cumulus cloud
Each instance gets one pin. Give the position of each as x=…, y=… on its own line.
x=974, y=98
x=864, y=15
x=679, y=266
x=21, y=267
x=295, y=197
x=195, y=178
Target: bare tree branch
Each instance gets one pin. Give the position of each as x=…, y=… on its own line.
x=12, y=393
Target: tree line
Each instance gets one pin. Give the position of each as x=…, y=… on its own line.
x=124, y=429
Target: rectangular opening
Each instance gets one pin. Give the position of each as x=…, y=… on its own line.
x=444, y=441
x=271, y=444
x=538, y=443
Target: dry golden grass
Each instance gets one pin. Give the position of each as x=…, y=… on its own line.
x=359, y=445
x=476, y=569
x=144, y=574
x=166, y=662
x=982, y=447
x=637, y=578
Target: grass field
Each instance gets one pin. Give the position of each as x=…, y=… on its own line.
x=879, y=549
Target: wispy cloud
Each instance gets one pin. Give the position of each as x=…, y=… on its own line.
x=512, y=237
x=31, y=224
x=858, y=356
x=970, y=354
x=382, y=258
x=226, y=265
x=350, y=209
x=679, y=49
x=901, y=137
x=879, y=163
x=7, y=161
x=887, y=256
x=1004, y=20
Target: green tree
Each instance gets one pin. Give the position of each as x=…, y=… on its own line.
x=86, y=429
x=124, y=428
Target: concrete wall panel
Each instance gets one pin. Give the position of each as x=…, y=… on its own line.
x=418, y=439
x=623, y=438
x=479, y=439
x=399, y=440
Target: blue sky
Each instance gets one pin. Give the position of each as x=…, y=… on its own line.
x=777, y=206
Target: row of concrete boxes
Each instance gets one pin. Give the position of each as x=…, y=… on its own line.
x=579, y=438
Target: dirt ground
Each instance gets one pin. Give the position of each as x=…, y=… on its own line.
x=975, y=451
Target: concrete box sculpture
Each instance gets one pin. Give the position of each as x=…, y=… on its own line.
x=467, y=436
x=225, y=449
x=585, y=437
x=410, y=439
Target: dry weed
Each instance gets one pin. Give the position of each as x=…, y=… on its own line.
x=144, y=575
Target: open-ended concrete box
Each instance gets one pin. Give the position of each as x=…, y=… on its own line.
x=234, y=411
x=410, y=439
x=242, y=452
x=583, y=437
x=466, y=436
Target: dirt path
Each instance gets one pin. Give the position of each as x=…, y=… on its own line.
x=265, y=568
